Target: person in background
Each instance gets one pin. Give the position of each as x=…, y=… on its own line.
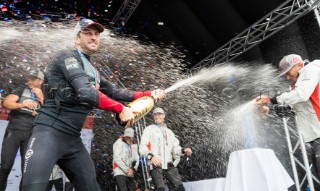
x=73, y=88
x=125, y=153
x=68, y=185
x=304, y=98
x=162, y=149
x=55, y=179
x=24, y=103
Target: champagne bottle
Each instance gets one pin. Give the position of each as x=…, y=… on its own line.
x=143, y=104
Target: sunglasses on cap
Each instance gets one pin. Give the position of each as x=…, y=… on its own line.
x=32, y=78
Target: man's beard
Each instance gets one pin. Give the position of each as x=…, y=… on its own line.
x=88, y=51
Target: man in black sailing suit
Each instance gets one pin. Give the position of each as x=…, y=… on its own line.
x=23, y=103
x=73, y=88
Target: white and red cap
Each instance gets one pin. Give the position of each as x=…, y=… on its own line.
x=288, y=62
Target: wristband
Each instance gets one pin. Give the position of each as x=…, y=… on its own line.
x=150, y=156
x=273, y=100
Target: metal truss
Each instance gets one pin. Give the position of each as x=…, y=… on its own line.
x=124, y=13
x=276, y=20
x=305, y=165
x=139, y=127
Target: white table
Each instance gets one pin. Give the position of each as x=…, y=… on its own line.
x=256, y=170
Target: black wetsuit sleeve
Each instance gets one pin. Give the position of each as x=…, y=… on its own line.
x=18, y=91
x=114, y=92
x=73, y=71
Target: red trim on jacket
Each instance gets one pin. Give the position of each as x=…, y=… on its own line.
x=315, y=101
x=115, y=165
x=141, y=94
x=108, y=104
x=149, y=146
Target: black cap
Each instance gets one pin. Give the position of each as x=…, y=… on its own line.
x=86, y=23
x=37, y=74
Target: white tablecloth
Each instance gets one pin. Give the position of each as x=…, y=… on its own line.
x=216, y=184
x=256, y=170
